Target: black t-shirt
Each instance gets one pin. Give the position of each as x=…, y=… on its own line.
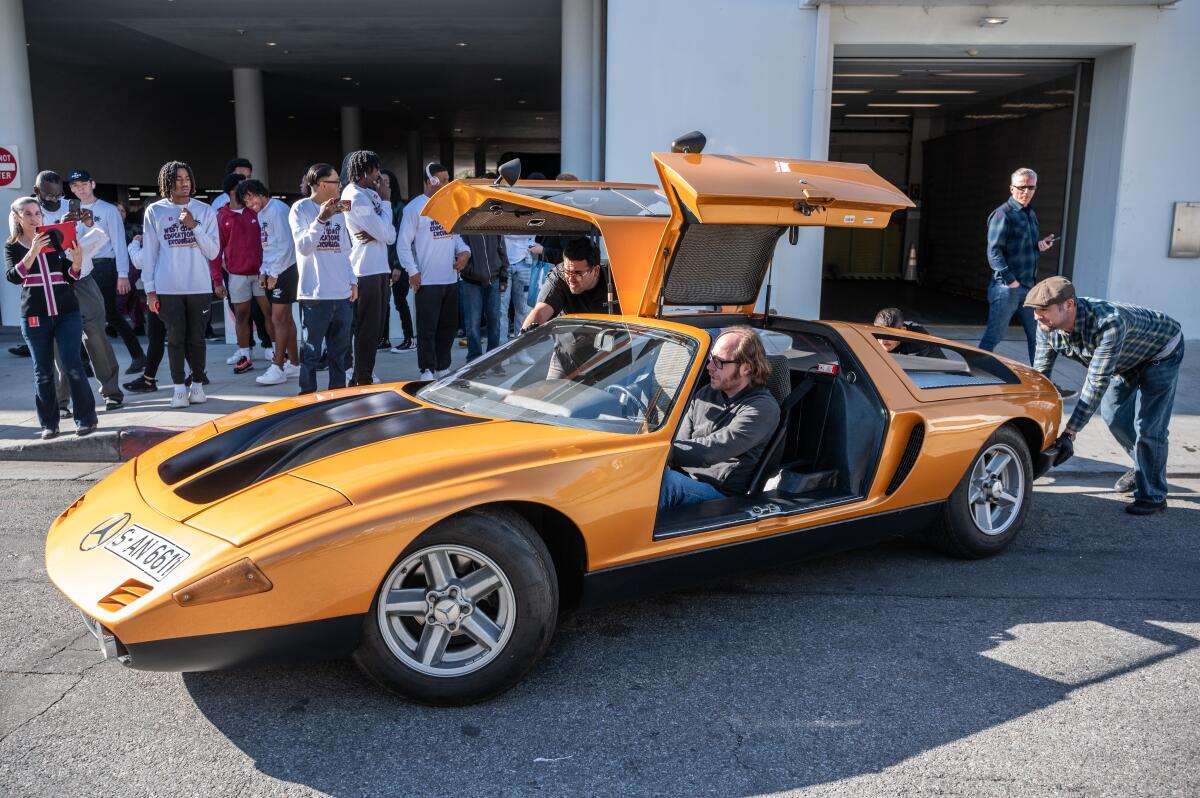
x=558, y=296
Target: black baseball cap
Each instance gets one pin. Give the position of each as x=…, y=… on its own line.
x=78, y=174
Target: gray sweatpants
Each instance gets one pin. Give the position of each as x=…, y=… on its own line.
x=95, y=341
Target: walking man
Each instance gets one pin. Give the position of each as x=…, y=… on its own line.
x=1013, y=248
x=1132, y=356
x=433, y=258
x=110, y=263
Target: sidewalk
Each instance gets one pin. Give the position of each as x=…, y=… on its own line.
x=147, y=419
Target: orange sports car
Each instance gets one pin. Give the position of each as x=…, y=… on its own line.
x=434, y=530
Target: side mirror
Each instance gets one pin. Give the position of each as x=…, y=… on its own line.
x=689, y=143
x=510, y=172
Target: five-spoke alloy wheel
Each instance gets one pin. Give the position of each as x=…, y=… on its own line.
x=464, y=613
x=987, y=508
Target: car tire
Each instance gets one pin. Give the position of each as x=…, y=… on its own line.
x=988, y=506
x=421, y=607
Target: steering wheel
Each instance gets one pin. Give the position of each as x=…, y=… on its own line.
x=621, y=391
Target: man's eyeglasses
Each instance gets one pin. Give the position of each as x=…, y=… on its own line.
x=1025, y=188
x=718, y=362
x=568, y=274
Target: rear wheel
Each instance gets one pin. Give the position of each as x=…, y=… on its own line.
x=987, y=508
x=465, y=613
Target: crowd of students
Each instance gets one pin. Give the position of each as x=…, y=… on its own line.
x=346, y=252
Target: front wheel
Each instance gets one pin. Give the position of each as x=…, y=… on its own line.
x=465, y=612
x=987, y=508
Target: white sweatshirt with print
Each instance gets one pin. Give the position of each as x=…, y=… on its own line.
x=175, y=259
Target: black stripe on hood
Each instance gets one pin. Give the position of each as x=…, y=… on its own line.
x=295, y=452
x=277, y=426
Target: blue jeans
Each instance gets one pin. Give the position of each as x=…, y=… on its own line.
x=517, y=294
x=680, y=489
x=325, y=320
x=64, y=331
x=1003, y=302
x=1137, y=411
x=480, y=300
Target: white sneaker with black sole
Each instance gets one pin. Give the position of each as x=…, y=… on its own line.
x=196, y=394
x=426, y=375
x=272, y=376
x=179, y=396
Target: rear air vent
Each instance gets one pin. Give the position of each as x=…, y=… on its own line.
x=909, y=458
x=123, y=596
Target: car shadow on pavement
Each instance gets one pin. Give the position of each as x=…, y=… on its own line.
x=797, y=676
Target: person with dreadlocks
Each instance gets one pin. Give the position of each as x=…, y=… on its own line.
x=179, y=241
x=369, y=222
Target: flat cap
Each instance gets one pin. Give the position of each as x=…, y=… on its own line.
x=1050, y=291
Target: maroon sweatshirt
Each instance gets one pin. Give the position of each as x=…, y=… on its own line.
x=241, y=242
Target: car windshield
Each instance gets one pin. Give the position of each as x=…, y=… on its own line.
x=573, y=372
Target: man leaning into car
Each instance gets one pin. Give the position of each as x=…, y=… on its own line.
x=727, y=426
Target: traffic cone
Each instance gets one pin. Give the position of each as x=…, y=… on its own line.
x=910, y=268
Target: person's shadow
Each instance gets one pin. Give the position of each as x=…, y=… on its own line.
x=798, y=676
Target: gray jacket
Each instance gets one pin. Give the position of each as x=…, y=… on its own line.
x=721, y=440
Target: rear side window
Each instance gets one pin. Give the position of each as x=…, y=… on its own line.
x=932, y=366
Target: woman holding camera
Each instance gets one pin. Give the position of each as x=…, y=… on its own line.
x=49, y=315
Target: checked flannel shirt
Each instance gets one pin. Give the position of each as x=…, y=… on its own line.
x=1109, y=338
x=1012, y=243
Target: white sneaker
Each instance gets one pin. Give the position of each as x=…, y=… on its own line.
x=196, y=394
x=291, y=370
x=426, y=375
x=349, y=376
x=437, y=375
x=269, y=354
x=374, y=378
x=179, y=397
x=235, y=357
x=272, y=376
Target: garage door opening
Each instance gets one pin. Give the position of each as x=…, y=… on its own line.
x=949, y=132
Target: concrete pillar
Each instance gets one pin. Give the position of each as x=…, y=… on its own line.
x=481, y=165
x=351, y=128
x=250, y=120
x=16, y=129
x=416, y=169
x=599, y=55
x=577, y=87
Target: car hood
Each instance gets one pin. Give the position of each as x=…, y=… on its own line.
x=265, y=468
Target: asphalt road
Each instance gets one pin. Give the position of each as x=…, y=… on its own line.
x=1069, y=665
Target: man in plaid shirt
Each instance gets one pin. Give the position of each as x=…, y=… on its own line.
x=1132, y=356
x=1013, y=249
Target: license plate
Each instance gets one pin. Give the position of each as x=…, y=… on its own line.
x=150, y=553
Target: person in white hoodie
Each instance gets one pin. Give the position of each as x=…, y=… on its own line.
x=277, y=275
x=369, y=220
x=433, y=258
x=179, y=240
x=328, y=285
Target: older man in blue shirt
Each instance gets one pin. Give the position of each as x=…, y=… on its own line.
x=1013, y=248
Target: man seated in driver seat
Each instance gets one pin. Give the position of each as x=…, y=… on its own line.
x=727, y=426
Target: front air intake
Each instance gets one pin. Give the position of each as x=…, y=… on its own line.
x=909, y=458
x=124, y=595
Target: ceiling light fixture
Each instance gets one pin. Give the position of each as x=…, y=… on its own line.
x=460, y=44
x=270, y=44
x=937, y=91
x=865, y=75
x=880, y=116
x=347, y=77
x=149, y=77
x=992, y=22
x=431, y=117
x=397, y=102
x=993, y=116
x=291, y=116
x=539, y=118
x=497, y=79
x=904, y=105
x=851, y=91
x=458, y=130
x=1032, y=106
x=838, y=105
x=520, y=102
x=983, y=74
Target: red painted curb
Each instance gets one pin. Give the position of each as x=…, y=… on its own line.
x=136, y=440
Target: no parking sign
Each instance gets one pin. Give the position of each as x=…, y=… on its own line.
x=10, y=172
